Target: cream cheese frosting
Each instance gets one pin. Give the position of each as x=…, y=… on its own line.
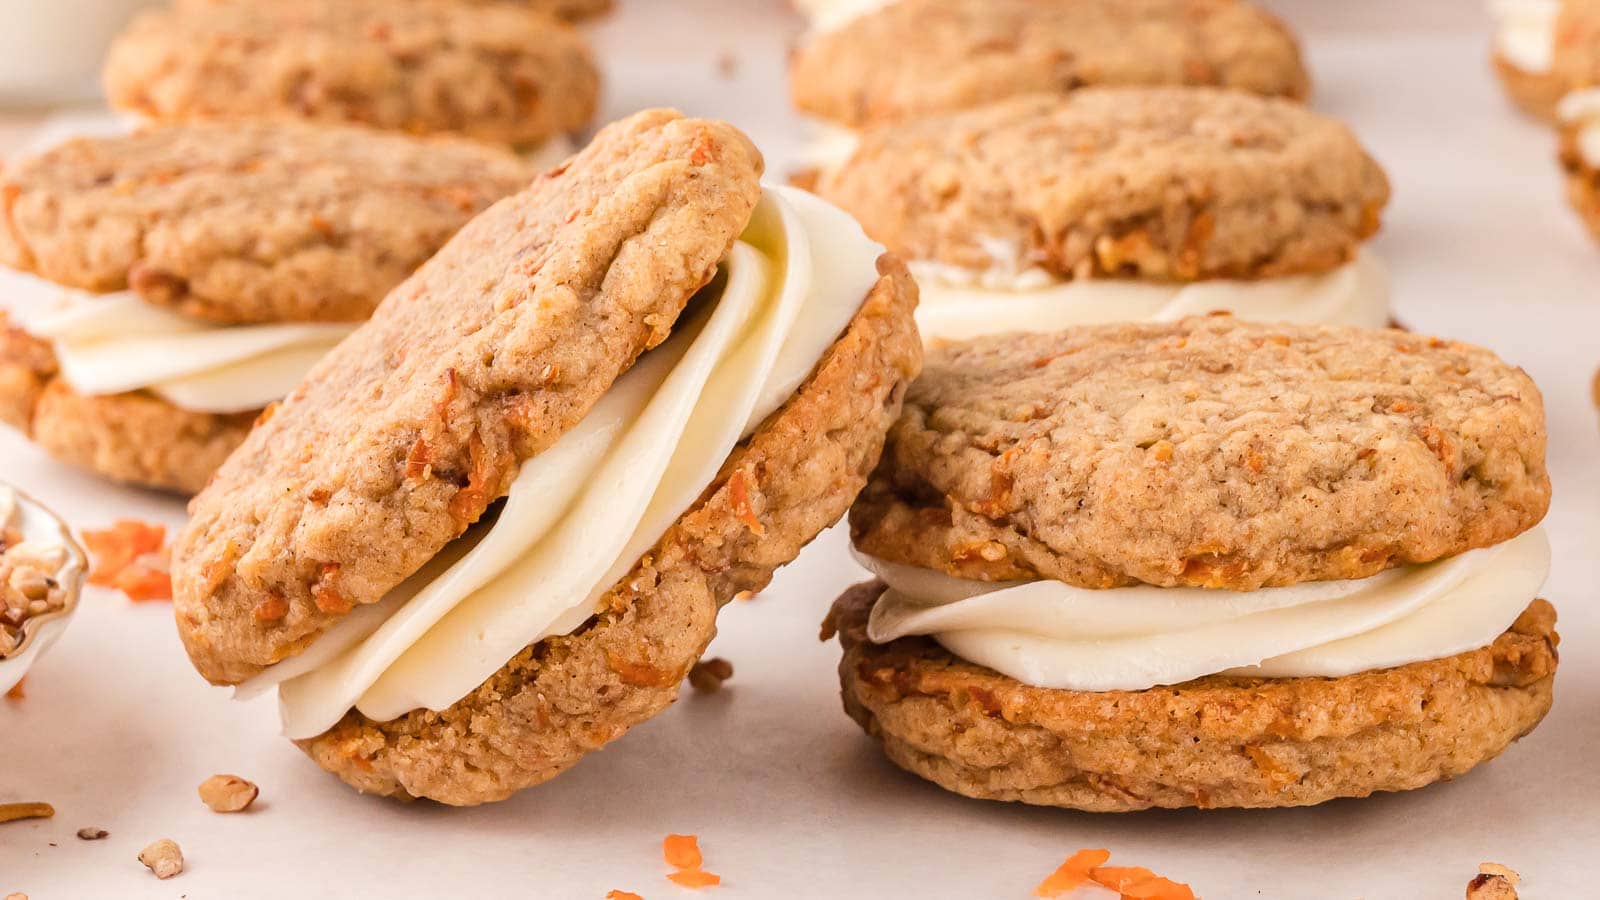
x=1581, y=109
x=1053, y=635
x=1525, y=32
x=579, y=515
x=963, y=303
x=112, y=343
x=827, y=15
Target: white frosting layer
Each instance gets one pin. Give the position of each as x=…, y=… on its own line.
x=827, y=15
x=962, y=303
x=1582, y=109
x=580, y=515
x=111, y=343
x=1052, y=635
x=1525, y=32
x=39, y=526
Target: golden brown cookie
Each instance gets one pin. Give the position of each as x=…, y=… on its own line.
x=1154, y=183
x=1214, y=742
x=571, y=10
x=247, y=222
x=1209, y=452
x=483, y=358
x=919, y=57
x=135, y=438
x=1579, y=146
x=497, y=72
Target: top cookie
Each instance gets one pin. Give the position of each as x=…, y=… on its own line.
x=1210, y=452
x=248, y=221
x=1160, y=183
x=404, y=434
x=919, y=57
x=496, y=72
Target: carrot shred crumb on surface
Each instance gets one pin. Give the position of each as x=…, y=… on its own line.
x=1074, y=873
x=131, y=556
x=694, y=878
x=681, y=851
x=17, y=691
x=622, y=895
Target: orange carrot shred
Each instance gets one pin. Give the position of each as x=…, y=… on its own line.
x=143, y=584
x=694, y=878
x=120, y=546
x=682, y=851
x=17, y=692
x=1074, y=873
x=1139, y=883
x=623, y=895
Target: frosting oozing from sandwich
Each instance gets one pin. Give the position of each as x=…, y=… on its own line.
x=1581, y=110
x=963, y=303
x=580, y=514
x=1054, y=635
x=114, y=343
x=1525, y=32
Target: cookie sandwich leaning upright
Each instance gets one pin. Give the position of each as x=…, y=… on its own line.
x=1124, y=204
x=491, y=531
x=496, y=72
x=876, y=63
x=165, y=286
x=1209, y=563
x=1579, y=113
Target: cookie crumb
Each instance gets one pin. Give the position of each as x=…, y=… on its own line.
x=15, y=812
x=163, y=857
x=228, y=793
x=707, y=675
x=1493, y=882
x=93, y=834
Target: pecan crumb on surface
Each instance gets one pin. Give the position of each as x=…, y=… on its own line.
x=228, y=793
x=1493, y=882
x=163, y=858
x=14, y=812
x=707, y=675
x=93, y=834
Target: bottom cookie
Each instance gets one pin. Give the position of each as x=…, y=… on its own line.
x=1209, y=743
x=1535, y=93
x=134, y=438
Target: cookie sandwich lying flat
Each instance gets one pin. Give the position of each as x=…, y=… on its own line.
x=916, y=58
x=1208, y=563
x=1544, y=49
x=1579, y=113
x=674, y=380
x=182, y=278
x=1123, y=204
x=496, y=72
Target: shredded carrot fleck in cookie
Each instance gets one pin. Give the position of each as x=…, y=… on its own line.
x=1074, y=873
x=694, y=878
x=131, y=556
x=681, y=851
x=739, y=491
